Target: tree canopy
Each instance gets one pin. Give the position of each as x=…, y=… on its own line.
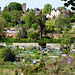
x=28, y=18
x=2, y=25
x=15, y=16
x=6, y=15
x=63, y=22
x=46, y=8
x=14, y=6
x=62, y=7
x=40, y=20
x=50, y=25
x=73, y=18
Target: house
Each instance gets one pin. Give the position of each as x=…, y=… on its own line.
x=11, y=32
x=56, y=36
x=55, y=13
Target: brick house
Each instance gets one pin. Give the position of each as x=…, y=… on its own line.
x=56, y=36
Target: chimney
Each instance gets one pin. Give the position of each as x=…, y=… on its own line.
x=49, y=11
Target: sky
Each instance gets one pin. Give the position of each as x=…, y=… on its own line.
x=33, y=3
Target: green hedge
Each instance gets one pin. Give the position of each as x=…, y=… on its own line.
x=28, y=40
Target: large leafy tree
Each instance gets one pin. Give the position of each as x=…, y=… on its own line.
x=70, y=2
x=15, y=16
x=14, y=6
x=67, y=39
x=63, y=22
x=2, y=25
x=40, y=20
x=46, y=8
x=50, y=25
x=28, y=18
x=6, y=15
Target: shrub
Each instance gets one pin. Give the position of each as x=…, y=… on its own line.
x=35, y=35
x=16, y=72
x=9, y=55
x=42, y=43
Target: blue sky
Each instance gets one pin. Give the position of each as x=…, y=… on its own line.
x=33, y=3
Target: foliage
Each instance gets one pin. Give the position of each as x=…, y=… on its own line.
x=8, y=55
x=50, y=25
x=46, y=8
x=34, y=26
x=40, y=20
x=28, y=18
x=35, y=35
x=2, y=25
x=42, y=43
x=15, y=6
x=29, y=70
x=22, y=33
x=63, y=22
x=70, y=2
x=6, y=9
x=30, y=32
x=15, y=16
x=73, y=18
x=6, y=15
x=73, y=30
x=16, y=72
x=41, y=66
x=67, y=40
x=61, y=8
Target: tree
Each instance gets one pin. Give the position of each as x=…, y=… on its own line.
x=6, y=9
x=6, y=15
x=73, y=30
x=67, y=40
x=15, y=16
x=30, y=32
x=22, y=33
x=46, y=8
x=70, y=2
x=15, y=6
x=63, y=22
x=28, y=18
x=34, y=26
x=73, y=18
x=9, y=55
x=50, y=25
x=40, y=20
x=2, y=25
x=61, y=8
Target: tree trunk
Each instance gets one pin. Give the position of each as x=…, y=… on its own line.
x=40, y=32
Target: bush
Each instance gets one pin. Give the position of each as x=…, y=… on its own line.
x=42, y=43
x=9, y=55
x=16, y=72
x=30, y=32
x=35, y=35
